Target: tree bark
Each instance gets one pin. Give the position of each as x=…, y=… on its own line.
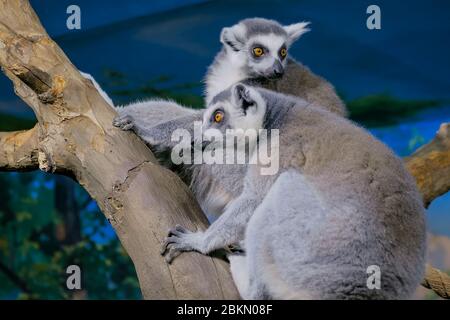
x=430, y=165
x=75, y=136
x=19, y=150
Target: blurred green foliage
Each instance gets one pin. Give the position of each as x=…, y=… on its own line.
x=33, y=259
x=32, y=251
x=383, y=109
x=162, y=87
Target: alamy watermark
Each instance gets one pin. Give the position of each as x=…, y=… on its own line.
x=73, y=21
x=235, y=146
x=374, y=278
x=374, y=20
x=73, y=281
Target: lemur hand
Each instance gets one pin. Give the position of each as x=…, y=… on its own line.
x=181, y=240
x=124, y=122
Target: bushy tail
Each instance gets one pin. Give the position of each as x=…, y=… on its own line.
x=99, y=89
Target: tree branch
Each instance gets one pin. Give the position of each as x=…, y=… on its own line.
x=430, y=165
x=19, y=150
x=140, y=198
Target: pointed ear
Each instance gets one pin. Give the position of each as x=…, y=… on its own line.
x=233, y=37
x=296, y=30
x=242, y=96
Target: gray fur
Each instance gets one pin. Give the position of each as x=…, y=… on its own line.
x=154, y=121
x=372, y=213
x=258, y=26
x=341, y=201
x=213, y=185
x=222, y=96
x=298, y=80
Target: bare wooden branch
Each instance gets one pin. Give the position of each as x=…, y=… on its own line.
x=430, y=165
x=140, y=198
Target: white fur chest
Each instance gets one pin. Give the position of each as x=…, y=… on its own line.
x=224, y=74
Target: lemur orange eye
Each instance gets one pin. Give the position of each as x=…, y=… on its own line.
x=258, y=51
x=218, y=116
x=283, y=52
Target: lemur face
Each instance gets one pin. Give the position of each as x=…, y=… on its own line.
x=239, y=107
x=260, y=46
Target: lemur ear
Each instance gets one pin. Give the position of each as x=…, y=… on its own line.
x=242, y=96
x=233, y=37
x=296, y=30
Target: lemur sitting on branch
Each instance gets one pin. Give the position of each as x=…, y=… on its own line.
x=340, y=204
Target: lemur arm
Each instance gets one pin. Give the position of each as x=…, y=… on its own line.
x=152, y=120
x=152, y=131
x=227, y=230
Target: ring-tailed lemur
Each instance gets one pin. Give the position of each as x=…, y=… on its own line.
x=215, y=186
x=154, y=121
x=255, y=51
x=341, y=202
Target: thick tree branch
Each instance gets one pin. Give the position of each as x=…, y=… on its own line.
x=140, y=198
x=19, y=150
x=430, y=165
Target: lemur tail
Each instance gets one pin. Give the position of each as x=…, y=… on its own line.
x=99, y=89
